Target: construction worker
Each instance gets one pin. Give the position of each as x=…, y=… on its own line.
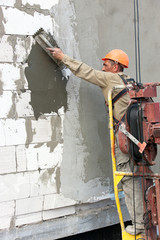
x=111, y=75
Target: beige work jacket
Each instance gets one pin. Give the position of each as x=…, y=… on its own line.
x=105, y=80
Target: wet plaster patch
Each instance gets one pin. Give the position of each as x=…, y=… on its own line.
x=20, y=83
x=92, y=112
x=14, y=42
x=12, y=113
x=18, y=3
x=48, y=90
x=42, y=4
x=2, y=20
x=77, y=180
x=56, y=138
x=58, y=181
x=30, y=9
x=35, y=8
x=74, y=153
x=29, y=132
x=51, y=176
x=47, y=175
x=1, y=84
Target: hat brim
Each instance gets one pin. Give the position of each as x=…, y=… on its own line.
x=103, y=59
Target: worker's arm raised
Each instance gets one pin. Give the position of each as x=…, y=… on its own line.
x=81, y=69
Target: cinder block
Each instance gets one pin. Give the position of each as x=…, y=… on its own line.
x=42, y=3
x=26, y=157
x=29, y=205
x=7, y=100
x=6, y=50
x=7, y=209
x=12, y=48
x=59, y=212
x=22, y=23
x=15, y=131
x=14, y=186
x=23, y=107
x=50, y=159
x=53, y=201
x=34, y=158
x=6, y=214
x=5, y=222
x=12, y=76
x=31, y=157
x=7, y=160
x=42, y=183
x=21, y=158
x=9, y=3
x=42, y=130
x=28, y=219
x=2, y=133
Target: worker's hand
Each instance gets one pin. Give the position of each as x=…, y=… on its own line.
x=56, y=53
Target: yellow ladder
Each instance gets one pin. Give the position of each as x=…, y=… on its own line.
x=117, y=176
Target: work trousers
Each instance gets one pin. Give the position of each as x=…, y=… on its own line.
x=133, y=200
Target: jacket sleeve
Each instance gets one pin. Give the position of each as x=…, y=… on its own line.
x=86, y=72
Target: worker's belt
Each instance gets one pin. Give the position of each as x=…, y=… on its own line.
x=114, y=100
x=118, y=122
x=119, y=95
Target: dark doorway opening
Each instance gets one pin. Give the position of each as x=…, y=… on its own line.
x=107, y=233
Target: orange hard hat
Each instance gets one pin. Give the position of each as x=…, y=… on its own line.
x=119, y=56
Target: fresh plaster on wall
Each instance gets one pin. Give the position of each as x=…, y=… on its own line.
x=17, y=3
x=1, y=84
x=93, y=113
x=32, y=9
x=47, y=176
x=42, y=3
x=29, y=131
x=12, y=112
x=2, y=20
x=57, y=131
x=78, y=181
x=48, y=90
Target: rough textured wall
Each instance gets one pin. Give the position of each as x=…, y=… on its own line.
x=85, y=146
x=33, y=101
x=54, y=145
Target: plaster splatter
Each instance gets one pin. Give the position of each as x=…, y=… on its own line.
x=2, y=20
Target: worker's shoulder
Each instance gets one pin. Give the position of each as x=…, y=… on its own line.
x=122, y=77
x=117, y=76
x=122, y=74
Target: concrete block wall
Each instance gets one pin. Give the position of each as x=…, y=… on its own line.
x=29, y=166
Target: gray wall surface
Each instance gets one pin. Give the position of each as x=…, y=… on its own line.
x=100, y=26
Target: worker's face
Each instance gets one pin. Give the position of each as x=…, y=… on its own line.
x=108, y=67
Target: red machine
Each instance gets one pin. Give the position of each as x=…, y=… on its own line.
x=143, y=124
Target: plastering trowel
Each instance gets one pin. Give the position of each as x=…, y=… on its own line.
x=46, y=40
